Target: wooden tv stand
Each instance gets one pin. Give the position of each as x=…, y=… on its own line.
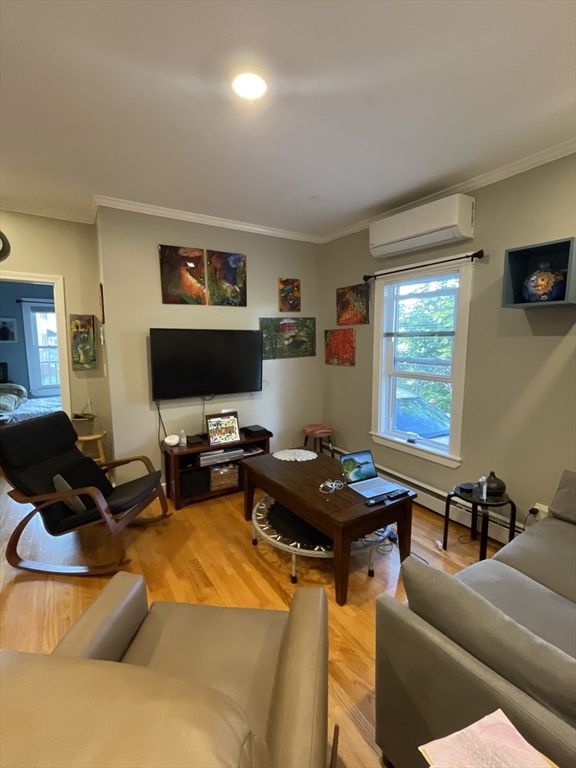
x=181, y=461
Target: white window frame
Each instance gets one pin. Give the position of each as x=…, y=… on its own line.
x=36, y=388
x=451, y=455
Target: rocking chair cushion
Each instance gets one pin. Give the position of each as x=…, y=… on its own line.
x=30, y=442
x=123, y=497
x=83, y=473
x=129, y=494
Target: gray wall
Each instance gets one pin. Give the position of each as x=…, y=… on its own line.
x=292, y=389
x=63, y=248
x=15, y=354
x=520, y=394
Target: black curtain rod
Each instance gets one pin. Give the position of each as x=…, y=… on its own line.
x=471, y=256
x=34, y=301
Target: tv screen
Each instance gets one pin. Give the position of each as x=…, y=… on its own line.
x=196, y=363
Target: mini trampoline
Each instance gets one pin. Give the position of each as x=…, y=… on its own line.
x=283, y=529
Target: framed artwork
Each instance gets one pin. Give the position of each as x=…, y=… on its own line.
x=182, y=275
x=226, y=279
x=8, y=330
x=288, y=337
x=289, y=294
x=83, y=342
x=353, y=305
x=222, y=428
x=340, y=347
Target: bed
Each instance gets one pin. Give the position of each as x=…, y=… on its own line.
x=16, y=406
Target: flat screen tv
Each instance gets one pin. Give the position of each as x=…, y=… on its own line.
x=197, y=363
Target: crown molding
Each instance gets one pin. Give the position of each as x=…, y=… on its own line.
x=48, y=213
x=200, y=218
x=483, y=180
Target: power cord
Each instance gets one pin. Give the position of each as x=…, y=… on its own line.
x=329, y=486
x=204, y=401
x=160, y=422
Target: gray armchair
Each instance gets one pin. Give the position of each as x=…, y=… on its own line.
x=172, y=685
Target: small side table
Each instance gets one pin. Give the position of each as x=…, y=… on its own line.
x=96, y=438
x=484, y=505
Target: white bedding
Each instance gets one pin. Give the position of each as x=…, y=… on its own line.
x=29, y=409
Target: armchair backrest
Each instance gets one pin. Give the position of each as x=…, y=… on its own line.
x=33, y=452
x=300, y=696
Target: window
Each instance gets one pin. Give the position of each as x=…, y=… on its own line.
x=420, y=351
x=41, y=348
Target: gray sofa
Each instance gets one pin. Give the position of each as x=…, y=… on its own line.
x=172, y=685
x=499, y=635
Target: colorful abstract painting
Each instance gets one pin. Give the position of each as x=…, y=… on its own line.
x=353, y=305
x=83, y=341
x=226, y=279
x=182, y=275
x=340, y=347
x=289, y=337
x=289, y=294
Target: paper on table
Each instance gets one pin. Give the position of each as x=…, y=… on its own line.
x=492, y=742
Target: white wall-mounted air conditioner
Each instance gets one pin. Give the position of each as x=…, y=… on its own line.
x=438, y=223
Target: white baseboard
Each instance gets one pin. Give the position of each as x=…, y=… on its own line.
x=435, y=500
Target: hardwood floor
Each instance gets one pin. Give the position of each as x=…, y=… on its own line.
x=204, y=554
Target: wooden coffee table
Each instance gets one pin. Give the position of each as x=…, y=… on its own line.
x=342, y=515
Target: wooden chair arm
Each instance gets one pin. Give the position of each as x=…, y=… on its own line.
x=120, y=462
x=46, y=499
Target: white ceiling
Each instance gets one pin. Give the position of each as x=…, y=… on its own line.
x=371, y=104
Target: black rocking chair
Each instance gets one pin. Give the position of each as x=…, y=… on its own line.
x=41, y=461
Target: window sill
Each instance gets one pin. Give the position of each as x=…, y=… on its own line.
x=415, y=450
x=45, y=392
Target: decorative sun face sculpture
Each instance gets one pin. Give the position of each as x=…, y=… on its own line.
x=544, y=285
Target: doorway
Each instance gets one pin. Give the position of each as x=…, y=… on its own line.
x=34, y=354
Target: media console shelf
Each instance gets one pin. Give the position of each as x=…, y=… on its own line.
x=188, y=482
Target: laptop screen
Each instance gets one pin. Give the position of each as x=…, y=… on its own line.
x=358, y=466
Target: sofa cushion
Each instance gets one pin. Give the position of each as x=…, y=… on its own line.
x=543, y=612
x=546, y=552
x=235, y=651
x=536, y=667
x=563, y=504
x=63, y=713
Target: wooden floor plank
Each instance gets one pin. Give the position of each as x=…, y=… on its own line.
x=204, y=554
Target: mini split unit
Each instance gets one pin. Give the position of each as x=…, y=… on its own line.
x=442, y=222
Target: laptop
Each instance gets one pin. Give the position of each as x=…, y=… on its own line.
x=360, y=474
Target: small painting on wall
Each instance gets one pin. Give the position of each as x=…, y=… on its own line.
x=182, y=275
x=353, y=305
x=83, y=342
x=288, y=337
x=289, y=294
x=8, y=330
x=226, y=279
x=340, y=347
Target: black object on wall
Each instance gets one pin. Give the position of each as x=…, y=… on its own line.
x=189, y=362
x=5, y=249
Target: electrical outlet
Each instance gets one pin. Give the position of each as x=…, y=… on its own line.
x=542, y=511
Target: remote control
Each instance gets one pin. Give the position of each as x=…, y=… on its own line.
x=376, y=500
x=397, y=494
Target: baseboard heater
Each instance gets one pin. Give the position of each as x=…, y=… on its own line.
x=435, y=500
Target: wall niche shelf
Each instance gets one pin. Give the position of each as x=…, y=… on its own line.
x=519, y=263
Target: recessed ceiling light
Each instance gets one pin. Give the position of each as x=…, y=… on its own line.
x=249, y=82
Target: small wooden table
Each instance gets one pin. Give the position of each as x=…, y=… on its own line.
x=342, y=515
x=484, y=505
